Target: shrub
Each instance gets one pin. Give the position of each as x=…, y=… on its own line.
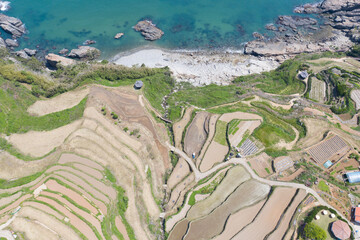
x=312, y=231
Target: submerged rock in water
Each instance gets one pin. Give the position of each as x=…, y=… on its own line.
x=12, y=25
x=148, y=30
x=89, y=42
x=53, y=60
x=63, y=51
x=11, y=43
x=119, y=35
x=85, y=53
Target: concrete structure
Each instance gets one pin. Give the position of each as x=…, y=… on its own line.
x=138, y=84
x=340, y=229
x=353, y=177
x=282, y=163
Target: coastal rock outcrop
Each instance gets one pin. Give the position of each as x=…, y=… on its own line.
x=53, y=60
x=64, y=51
x=295, y=21
x=22, y=54
x=30, y=52
x=331, y=6
x=148, y=30
x=85, y=53
x=12, y=25
x=2, y=43
x=11, y=43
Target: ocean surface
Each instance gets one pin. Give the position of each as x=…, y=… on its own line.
x=188, y=24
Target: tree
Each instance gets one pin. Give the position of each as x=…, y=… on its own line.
x=312, y=231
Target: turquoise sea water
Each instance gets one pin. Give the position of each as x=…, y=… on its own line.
x=188, y=24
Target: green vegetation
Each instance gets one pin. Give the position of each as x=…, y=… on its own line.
x=5, y=184
x=220, y=133
x=312, y=231
x=232, y=127
x=267, y=170
x=350, y=168
x=206, y=189
x=14, y=101
x=323, y=186
x=282, y=80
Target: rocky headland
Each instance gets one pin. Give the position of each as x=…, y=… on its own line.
x=295, y=34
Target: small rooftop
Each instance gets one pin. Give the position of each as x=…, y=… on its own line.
x=138, y=84
x=303, y=74
x=340, y=229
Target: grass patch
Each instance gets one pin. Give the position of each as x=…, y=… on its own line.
x=232, y=127
x=267, y=170
x=351, y=168
x=206, y=189
x=220, y=134
x=282, y=80
x=5, y=184
x=323, y=186
x=14, y=101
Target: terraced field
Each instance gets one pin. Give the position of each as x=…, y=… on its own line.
x=99, y=178
x=318, y=90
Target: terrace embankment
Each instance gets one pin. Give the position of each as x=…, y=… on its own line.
x=79, y=194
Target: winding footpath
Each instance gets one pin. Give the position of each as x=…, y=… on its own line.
x=200, y=175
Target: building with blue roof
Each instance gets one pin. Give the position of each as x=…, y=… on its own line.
x=353, y=177
x=327, y=164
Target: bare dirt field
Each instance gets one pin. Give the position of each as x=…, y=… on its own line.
x=292, y=176
x=348, y=64
x=314, y=134
x=355, y=96
x=239, y=220
x=216, y=220
x=261, y=164
x=179, y=230
x=70, y=158
x=32, y=230
x=179, y=126
x=37, y=144
x=268, y=217
x=227, y=117
x=59, y=103
x=7, y=200
x=178, y=193
x=285, y=221
x=318, y=90
x=63, y=230
x=54, y=186
x=212, y=126
x=180, y=171
x=232, y=180
x=197, y=133
x=215, y=154
x=314, y=111
x=243, y=127
x=121, y=227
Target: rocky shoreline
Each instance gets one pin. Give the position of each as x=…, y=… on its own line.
x=338, y=31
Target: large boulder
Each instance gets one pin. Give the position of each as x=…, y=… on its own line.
x=30, y=52
x=22, y=54
x=339, y=5
x=295, y=21
x=12, y=25
x=11, y=43
x=148, y=30
x=53, y=60
x=85, y=53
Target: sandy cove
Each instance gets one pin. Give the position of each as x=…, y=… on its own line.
x=198, y=68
